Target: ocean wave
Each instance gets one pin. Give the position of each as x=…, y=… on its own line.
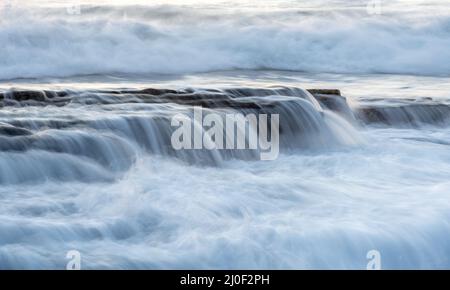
x=175, y=39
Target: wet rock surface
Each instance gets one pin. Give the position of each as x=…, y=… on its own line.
x=408, y=115
x=260, y=100
x=12, y=131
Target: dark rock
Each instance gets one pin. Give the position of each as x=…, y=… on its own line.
x=152, y=91
x=27, y=96
x=411, y=115
x=333, y=101
x=325, y=92
x=235, y=98
x=8, y=130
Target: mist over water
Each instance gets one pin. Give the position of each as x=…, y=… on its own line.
x=86, y=161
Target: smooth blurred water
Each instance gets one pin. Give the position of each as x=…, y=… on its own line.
x=98, y=176
x=90, y=186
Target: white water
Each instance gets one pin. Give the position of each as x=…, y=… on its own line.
x=41, y=38
x=301, y=211
x=313, y=208
x=98, y=178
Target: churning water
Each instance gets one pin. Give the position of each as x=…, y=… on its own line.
x=86, y=161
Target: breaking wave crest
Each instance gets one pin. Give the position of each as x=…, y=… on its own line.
x=175, y=39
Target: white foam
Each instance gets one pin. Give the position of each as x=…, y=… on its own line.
x=42, y=41
x=301, y=211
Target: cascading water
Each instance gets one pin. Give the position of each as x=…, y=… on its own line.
x=97, y=135
x=87, y=164
x=95, y=171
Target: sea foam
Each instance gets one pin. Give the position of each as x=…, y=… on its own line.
x=40, y=41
